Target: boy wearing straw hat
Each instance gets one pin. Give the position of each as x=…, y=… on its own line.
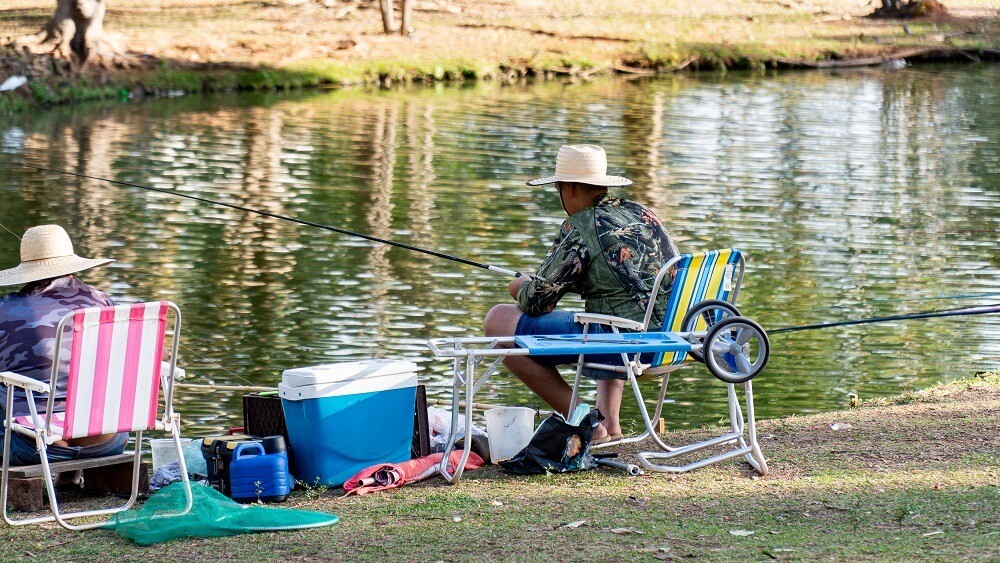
x=609, y=251
x=28, y=320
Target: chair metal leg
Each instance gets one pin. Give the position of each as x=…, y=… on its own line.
x=756, y=457
x=650, y=431
x=576, y=387
x=189, y=497
x=470, y=366
x=64, y=518
x=740, y=433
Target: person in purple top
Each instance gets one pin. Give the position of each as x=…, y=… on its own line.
x=28, y=321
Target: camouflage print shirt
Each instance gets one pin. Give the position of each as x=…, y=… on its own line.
x=28, y=320
x=610, y=254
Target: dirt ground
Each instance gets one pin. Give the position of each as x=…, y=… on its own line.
x=281, y=33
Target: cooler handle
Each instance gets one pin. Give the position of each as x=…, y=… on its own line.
x=248, y=447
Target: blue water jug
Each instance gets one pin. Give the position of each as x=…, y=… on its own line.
x=260, y=473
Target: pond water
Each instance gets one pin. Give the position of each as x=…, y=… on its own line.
x=854, y=194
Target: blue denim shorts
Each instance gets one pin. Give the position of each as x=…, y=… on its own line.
x=23, y=452
x=561, y=322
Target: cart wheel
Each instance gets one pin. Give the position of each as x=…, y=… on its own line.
x=711, y=311
x=737, y=349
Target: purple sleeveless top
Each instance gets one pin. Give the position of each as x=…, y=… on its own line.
x=28, y=320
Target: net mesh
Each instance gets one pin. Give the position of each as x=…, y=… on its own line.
x=212, y=514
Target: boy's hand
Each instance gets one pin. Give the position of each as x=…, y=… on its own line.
x=515, y=285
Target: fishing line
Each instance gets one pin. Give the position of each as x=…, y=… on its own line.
x=957, y=312
x=949, y=297
x=435, y=253
x=18, y=237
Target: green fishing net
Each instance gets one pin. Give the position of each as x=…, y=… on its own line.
x=212, y=514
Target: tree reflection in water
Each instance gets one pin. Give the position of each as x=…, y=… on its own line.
x=853, y=194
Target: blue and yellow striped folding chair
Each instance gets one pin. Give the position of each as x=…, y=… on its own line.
x=700, y=322
x=702, y=301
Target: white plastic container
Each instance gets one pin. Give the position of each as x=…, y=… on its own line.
x=164, y=450
x=344, y=417
x=510, y=429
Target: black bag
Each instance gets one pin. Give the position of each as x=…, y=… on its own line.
x=556, y=447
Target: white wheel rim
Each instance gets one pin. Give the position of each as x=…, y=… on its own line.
x=736, y=340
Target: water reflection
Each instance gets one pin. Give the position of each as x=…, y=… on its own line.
x=853, y=194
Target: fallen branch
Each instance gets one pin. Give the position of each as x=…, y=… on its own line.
x=633, y=70
x=594, y=70
x=685, y=63
x=880, y=59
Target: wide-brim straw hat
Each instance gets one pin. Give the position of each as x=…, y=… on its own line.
x=587, y=164
x=47, y=252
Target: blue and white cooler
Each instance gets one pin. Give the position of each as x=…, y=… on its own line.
x=344, y=417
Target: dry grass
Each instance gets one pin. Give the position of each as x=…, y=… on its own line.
x=213, y=45
x=531, y=33
x=913, y=478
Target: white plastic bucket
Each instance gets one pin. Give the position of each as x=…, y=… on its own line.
x=164, y=450
x=510, y=430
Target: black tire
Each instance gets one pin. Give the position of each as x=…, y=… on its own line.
x=720, y=367
x=702, y=309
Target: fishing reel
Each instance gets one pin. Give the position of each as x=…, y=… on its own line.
x=735, y=349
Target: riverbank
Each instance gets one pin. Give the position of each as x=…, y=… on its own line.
x=172, y=47
x=904, y=478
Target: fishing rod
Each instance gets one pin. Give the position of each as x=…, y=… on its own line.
x=957, y=312
x=330, y=228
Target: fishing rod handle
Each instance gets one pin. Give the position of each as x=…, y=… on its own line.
x=505, y=271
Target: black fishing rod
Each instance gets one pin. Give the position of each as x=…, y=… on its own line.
x=489, y=267
x=957, y=312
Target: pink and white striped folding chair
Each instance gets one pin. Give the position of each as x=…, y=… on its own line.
x=116, y=373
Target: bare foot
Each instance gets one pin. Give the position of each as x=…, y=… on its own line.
x=611, y=431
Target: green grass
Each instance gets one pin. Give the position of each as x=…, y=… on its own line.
x=916, y=478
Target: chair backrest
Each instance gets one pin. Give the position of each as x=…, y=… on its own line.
x=115, y=367
x=716, y=274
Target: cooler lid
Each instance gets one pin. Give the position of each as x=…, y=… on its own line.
x=341, y=388
x=345, y=372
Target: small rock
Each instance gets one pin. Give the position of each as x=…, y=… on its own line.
x=741, y=533
x=840, y=426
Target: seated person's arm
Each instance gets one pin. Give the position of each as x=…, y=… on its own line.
x=564, y=264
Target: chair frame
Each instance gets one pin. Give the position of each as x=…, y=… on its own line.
x=467, y=354
x=43, y=435
x=743, y=430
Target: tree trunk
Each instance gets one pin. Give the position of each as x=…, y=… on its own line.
x=76, y=27
x=404, y=26
x=388, y=21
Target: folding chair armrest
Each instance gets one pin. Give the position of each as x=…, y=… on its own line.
x=609, y=320
x=24, y=382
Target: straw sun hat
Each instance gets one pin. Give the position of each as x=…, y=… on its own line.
x=47, y=252
x=586, y=164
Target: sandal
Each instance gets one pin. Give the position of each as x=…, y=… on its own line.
x=606, y=439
